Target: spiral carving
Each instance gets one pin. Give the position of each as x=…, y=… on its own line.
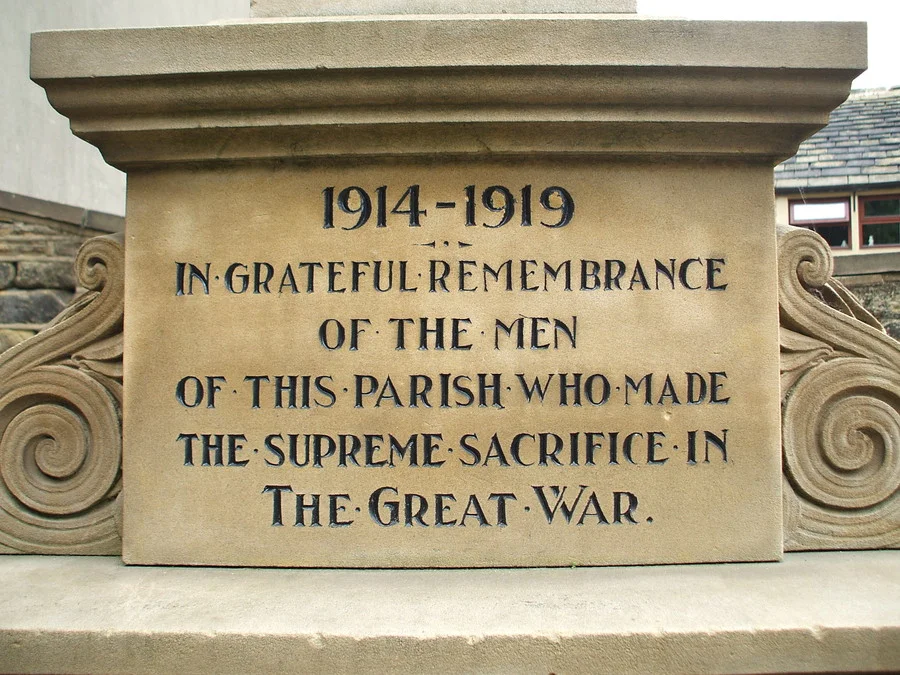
x=841, y=408
x=60, y=420
x=842, y=451
x=814, y=304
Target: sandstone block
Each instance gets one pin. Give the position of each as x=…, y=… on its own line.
x=27, y=245
x=67, y=247
x=38, y=306
x=39, y=229
x=45, y=274
x=10, y=338
x=7, y=274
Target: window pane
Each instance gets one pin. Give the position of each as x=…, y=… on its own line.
x=805, y=213
x=883, y=207
x=837, y=236
x=881, y=234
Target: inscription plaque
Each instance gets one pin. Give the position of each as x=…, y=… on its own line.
x=483, y=364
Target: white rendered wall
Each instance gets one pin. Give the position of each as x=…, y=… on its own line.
x=39, y=156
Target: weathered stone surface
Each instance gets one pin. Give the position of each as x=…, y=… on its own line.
x=22, y=212
x=28, y=245
x=39, y=243
x=826, y=612
x=45, y=274
x=65, y=246
x=10, y=337
x=850, y=267
x=883, y=300
x=674, y=490
x=19, y=228
x=60, y=420
x=840, y=385
x=30, y=240
x=403, y=90
x=7, y=274
x=276, y=8
x=38, y=306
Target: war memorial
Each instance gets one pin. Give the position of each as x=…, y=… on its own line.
x=452, y=336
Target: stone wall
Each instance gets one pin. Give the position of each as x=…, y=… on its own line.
x=880, y=294
x=38, y=244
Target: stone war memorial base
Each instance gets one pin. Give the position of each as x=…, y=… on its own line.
x=475, y=143
x=813, y=612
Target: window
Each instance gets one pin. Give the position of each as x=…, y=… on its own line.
x=879, y=220
x=829, y=218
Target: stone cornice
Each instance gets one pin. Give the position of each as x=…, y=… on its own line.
x=457, y=86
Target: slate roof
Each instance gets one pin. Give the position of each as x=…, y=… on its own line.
x=860, y=147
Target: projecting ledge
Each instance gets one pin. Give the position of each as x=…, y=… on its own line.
x=309, y=90
x=813, y=612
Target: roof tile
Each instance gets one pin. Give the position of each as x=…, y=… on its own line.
x=860, y=145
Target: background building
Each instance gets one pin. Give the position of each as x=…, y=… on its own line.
x=844, y=183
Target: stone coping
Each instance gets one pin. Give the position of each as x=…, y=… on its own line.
x=868, y=263
x=814, y=612
x=32, y=207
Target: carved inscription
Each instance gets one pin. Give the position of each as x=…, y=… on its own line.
x=387, y=506
x=472, y=357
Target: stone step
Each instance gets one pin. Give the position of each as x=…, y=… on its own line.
x=815, y=612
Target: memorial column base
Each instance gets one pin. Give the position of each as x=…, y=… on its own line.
x=814, y=612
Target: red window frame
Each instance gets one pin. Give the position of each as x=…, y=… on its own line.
x=827, y=222
x=875, y=220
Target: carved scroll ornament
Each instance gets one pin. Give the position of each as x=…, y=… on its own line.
x=61, y=392
x=840, y=383
x=61, y=421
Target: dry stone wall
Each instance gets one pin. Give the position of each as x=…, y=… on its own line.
x=37, y=277
x=880, y=295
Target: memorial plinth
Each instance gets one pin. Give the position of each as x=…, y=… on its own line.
x=447, y=291
x=812, y=613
